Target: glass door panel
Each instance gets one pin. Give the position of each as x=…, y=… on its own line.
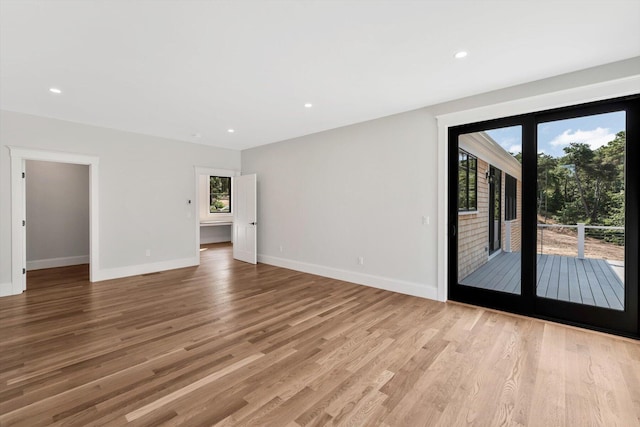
x=489, y=220
x=581, y=210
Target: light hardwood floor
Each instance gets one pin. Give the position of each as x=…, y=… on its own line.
x=236, y=344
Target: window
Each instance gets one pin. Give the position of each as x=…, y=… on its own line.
x=467, y=181
x=220, y=194
x=510, y=200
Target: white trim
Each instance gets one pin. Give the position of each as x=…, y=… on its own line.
x=217, y=172
x=468, y=212
x=154, y=267
x=393, y=285
x=443, y=221
x=215, y=223
x=18, y=208
x=563, y=98
x=39, y=264
x=201, y=170
x=220, y=216
x=6, y=289
x=222, y=173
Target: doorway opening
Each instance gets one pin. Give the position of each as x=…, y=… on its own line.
x=19, y=157
x=57, y=223
x=214, y=214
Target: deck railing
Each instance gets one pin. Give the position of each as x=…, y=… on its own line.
x=608, y=234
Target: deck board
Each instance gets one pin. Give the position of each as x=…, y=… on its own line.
x=488, y=276
x=554, y=278
x=575, y=295
x=598, y=294
x=582, y=281
x=614, y=281
x=544, y=276
x=607, y=289
x=563, y=285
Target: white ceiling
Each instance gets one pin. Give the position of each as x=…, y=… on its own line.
x=177, y=68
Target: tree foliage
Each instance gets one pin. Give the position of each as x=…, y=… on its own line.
x=219, y=194
x=584, y=185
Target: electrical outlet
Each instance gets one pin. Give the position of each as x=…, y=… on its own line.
x=426, y=220
x=148, y=252
x=360, y=260
x=281, y=248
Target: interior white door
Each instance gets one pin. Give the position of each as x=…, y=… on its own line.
x=244, y=194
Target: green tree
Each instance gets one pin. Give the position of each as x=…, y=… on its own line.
x=584, y=185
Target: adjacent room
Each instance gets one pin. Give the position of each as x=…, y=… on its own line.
x=305, y=213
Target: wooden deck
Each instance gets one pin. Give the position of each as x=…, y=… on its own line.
x=583, y=281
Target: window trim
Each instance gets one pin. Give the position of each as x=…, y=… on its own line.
x=468, y=207
x=202, y=175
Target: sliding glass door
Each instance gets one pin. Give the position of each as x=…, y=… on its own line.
x=543, y=214
x=489, y=233
x=587, y=215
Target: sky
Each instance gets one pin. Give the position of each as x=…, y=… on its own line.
x=594, y=130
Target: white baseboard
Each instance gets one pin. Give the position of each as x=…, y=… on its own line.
x=400, y=286
x=135, y=270
x=39, y=264
x=6, y=289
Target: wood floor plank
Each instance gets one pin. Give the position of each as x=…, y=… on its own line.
x=229, y=343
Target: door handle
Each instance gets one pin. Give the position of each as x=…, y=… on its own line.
x=453, y=230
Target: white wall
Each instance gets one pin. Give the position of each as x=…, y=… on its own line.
x=144, y=185
x=218, y=234
x=57, y=203
x=357, y=191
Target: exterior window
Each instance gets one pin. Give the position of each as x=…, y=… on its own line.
x=219, y=194
x=467, y=181
x=510, y=200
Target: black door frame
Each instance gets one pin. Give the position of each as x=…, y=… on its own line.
x=625, y=322
x=492, y=208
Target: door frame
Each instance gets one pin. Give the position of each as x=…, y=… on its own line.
x=18, y=209
x=518, y=303
x=626, y=322
x=492, y=209
x=538, y=96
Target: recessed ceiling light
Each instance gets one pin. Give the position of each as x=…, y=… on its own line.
x=308, y=105
x=55, y=90
x=231, y=130
x=460, y=55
